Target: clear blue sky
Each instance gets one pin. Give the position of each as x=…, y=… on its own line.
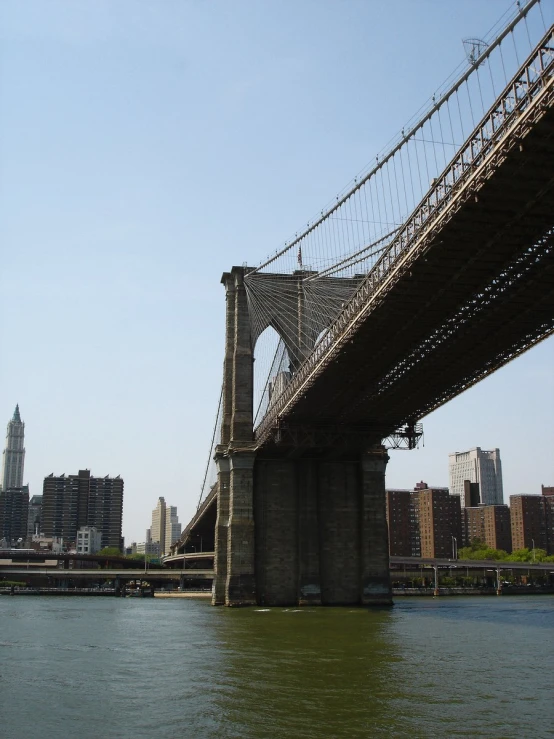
x=148, y=146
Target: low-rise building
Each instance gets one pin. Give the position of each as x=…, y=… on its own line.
x=48, y=544
x=151, y=548
x=89, y=540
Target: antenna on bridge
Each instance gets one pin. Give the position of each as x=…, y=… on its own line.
x=473, y=48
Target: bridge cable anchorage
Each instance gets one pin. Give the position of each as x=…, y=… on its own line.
x=332, y=268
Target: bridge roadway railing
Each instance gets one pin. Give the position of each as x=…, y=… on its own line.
x=207, y=574
x=476, y=564
x=515, y=111
x=181, y=560
x=204, y=505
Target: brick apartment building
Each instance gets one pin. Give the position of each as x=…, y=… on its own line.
x=399, y=514
x=488, y=523
x=498, y=530
x=548, y=493
x=438, y=516
x=424, y=522
x=528, y=522
x=429, y=522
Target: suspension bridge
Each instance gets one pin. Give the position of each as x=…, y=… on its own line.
x=431, y=270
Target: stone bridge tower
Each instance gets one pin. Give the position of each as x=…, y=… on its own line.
x=297, y=522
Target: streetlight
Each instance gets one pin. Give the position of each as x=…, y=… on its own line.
x=533, y=543
x=454, y=548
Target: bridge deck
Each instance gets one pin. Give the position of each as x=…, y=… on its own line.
x=479, y=292
x=467, y=283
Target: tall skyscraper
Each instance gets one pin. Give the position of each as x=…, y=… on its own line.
x=72, y=501
x=157, y=530
x=172, y=527
x=14, y=453
x=480, y=467
x=165, y=527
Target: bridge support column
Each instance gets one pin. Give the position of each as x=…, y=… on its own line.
x=309, y=579
x=276, y=509
x=240, y=587
x=374, y=542
x=338, y=529
x=221, y=530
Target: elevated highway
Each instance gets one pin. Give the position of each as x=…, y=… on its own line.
x=97, y=575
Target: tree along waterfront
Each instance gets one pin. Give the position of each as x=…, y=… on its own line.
x=479, y=550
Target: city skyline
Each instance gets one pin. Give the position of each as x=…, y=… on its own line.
x=176, y=152
x=407, y=483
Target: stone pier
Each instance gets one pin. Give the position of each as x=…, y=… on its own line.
x=321, y=534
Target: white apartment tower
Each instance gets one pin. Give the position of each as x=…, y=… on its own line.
x=14, y=453
x=477, y=466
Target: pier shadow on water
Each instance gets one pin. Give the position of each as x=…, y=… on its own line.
x=306, y=673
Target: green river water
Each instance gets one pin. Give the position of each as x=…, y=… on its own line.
x=109, y=668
